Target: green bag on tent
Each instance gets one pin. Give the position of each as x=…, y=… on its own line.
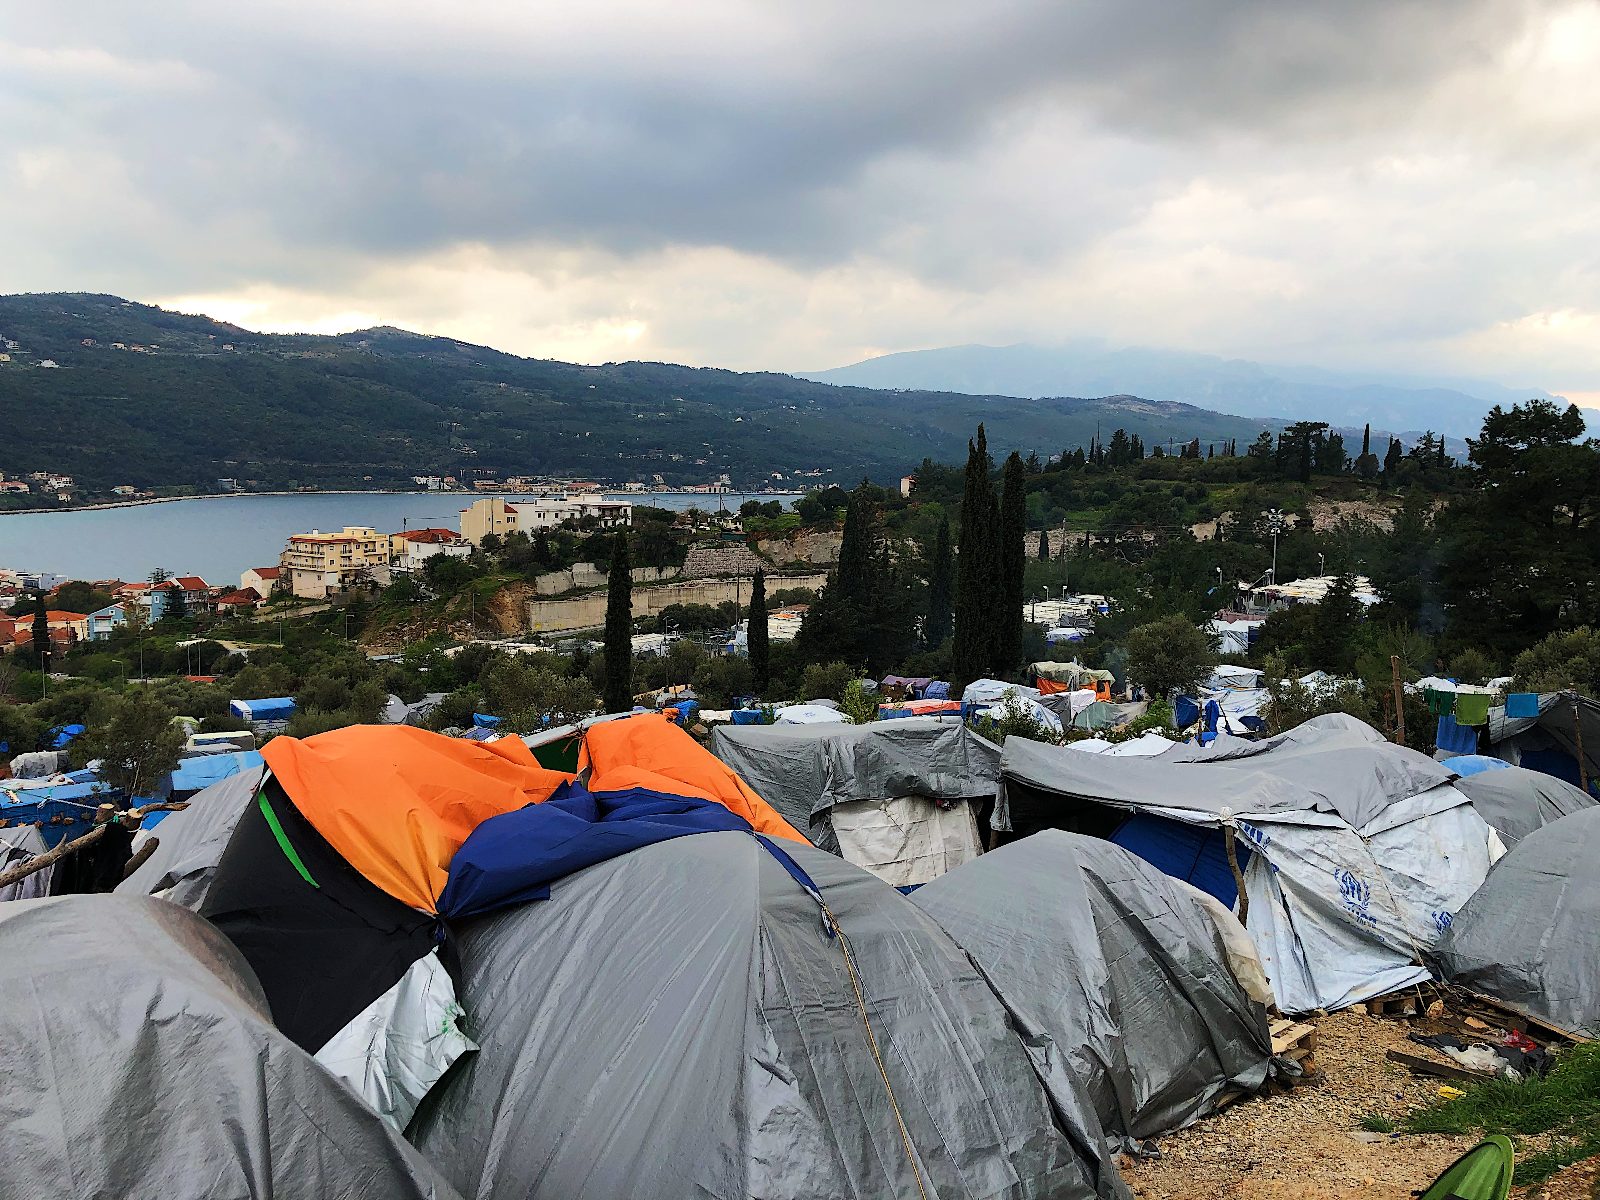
x=1482, y=1173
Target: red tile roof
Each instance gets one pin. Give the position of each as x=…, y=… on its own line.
x=267, y=572
x=431, y=535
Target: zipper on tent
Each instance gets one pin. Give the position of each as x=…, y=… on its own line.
x=283, y=839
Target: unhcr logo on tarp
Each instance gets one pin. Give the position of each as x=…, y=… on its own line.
x=1356, y=895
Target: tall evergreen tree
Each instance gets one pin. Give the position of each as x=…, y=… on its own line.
x=1391, y=457
x=619, y=630
x=1013, y=561
x=1044, y=545
x=863, y=616
x=756, y=638
x=41, y=632
x=1366, y=439
x=941, y=590
x=977, y=568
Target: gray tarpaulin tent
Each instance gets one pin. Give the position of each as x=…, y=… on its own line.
x=19, y=843
x=1528, y=937
x=1101, y=957
x=897, y=797
x=1355, y=855
x=140, y=1061
x=1516, y=801
x=190, y=843
x=677, y=1022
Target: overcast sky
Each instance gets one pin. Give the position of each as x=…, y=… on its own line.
x=1375, y=184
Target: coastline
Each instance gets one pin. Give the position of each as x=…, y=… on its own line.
x=103, y=505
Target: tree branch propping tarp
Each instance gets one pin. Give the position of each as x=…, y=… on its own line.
x=130, y=818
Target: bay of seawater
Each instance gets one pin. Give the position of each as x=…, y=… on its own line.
x=218, y=538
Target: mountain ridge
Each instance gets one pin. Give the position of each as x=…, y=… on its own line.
x=156, y=399
x=1235, y=385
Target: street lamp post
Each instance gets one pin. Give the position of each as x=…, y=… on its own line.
x=1322, y=563
x=1275, y=519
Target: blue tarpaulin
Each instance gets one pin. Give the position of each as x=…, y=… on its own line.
x=515, y=857
x=67, y=809
x=485, y=721
x=746, y=716
x=1186, y=711
x=62, y=734
x=274, y=708
x=1194, y=853
x=203, y=770
x=1472, y=764
x=937, y=690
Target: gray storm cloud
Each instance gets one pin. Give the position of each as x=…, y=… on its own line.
x=1380, y=180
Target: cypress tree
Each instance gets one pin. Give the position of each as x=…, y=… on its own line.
x=1044, y=545
x=941, y=590
x=760, y=659
x=976, y=569
x=1013, y=560
x=619, y=630
x=1366, y=439
x=41, y=632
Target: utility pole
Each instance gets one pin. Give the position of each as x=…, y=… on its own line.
x=1399, y=701
x=1275, y=523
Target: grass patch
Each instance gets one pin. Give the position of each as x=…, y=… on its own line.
x=1377, y=1123
x=1566, y=1103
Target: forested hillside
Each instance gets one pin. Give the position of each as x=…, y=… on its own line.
x=161, y=400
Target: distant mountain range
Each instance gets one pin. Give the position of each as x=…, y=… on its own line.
x=114, y=392
x=1091, y=368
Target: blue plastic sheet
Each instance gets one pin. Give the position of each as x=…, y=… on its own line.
x=515, y=857
x=1522, y=705
x=1455, y=739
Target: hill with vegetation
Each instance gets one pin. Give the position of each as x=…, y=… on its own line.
x=171, y=402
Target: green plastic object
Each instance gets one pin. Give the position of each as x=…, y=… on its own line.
x=1482, y=1173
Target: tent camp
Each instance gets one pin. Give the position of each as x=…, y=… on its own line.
x=263, y=712
x=1516, y=801
x=1355, y=853
x=1527, y=938
x=1548, y=740
x=900, y=798
x=155, y=1070
x=1057, y=919
x=722, y=1016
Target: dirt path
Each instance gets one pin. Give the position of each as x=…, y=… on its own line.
x=1309, y=1142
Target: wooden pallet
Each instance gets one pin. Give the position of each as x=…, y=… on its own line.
x=1412, y=1002
x=1293, y=1040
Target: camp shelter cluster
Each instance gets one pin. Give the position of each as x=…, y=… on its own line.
x=813, y=960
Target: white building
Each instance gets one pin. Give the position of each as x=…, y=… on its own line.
x=496, y=515
x=410, y=551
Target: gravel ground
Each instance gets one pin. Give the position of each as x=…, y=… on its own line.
x=1309, y=1142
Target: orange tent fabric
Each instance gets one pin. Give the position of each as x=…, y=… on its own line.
x=397, y=802
x=1049, y=687
x=648, y=751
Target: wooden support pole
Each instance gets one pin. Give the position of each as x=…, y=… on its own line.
x=1399, y=701
x=1228, y=831
x=102, y=821
x=1577, y=733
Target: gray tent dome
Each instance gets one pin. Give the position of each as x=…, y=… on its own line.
x=678, y=1022
x=140, y=1061
x=1527, y=937
x=189, y=843
x=1516, y=801
x=1102, y=957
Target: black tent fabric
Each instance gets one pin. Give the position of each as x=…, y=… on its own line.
x=140, y=1061
x=1101, y=957
x=1527, y=937
x=679, y=1022
x=323, y=940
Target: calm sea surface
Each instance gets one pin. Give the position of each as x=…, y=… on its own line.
x=218, y=538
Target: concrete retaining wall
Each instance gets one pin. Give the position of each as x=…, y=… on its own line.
x=589, y=611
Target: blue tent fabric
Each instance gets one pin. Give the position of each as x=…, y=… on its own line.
x=193, y=774
x=1471, y=764
x=746, y=716
x=1185, y=712
x=1194, y=853
x=1455, y=739
x=937, y=690
x=66, y=809
x=485, y=721
x=515, y=857
x=62, y=734
x=272, y=708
